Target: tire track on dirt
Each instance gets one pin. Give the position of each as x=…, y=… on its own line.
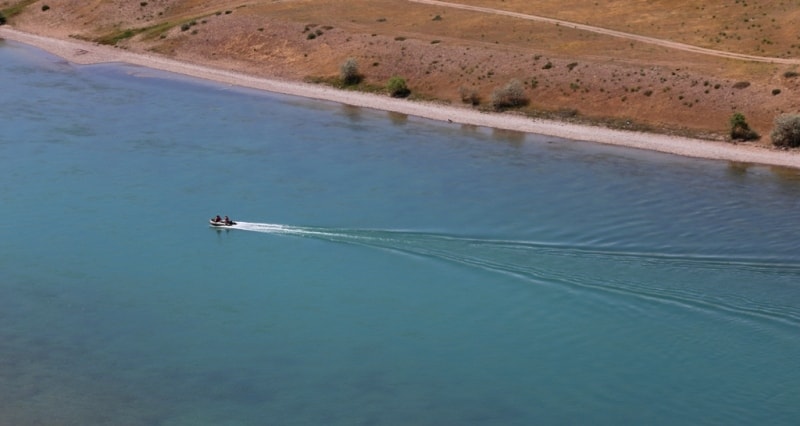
x=613, y=33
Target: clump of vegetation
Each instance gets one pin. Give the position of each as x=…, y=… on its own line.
x=572, y=65
x=791, y=74
x=547, y=66
x=349, y=72
x=786, y=133
x=45, y=8
x=469, y=96
x=12, y=11
x=511, y=95
x=397, y=87
x=741, y=85
x=437, y=18
x=2, y=19
x=740, y=129
x=776, y=92
x=115, y=37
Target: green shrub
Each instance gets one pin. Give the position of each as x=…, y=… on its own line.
x=397, y=87
x=45, y=8
x=2, y=19
x=509, y=96
x=740, y=129
x=786, y=132
x=776, y=92
x=349, y=72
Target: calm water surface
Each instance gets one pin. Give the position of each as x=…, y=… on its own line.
x=389, y=271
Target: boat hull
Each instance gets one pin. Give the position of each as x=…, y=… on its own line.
x=221, y=224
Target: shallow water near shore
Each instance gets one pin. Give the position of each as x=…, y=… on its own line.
x=386, y=270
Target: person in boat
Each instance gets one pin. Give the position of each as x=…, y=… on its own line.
x=217, y=219
x=228, y=221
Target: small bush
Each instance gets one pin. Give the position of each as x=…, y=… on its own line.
x=2, y=19
x=397, y=87
x=311, y=36
x=349, y=72
x=509, y=96
x=185, y=27
x=786, y=133
x=741, y=85
x=469, y=96
x=45, y=8
x=547, y=66
x=572, y=65
x=740, y=129
x=776, y=92
x=790, y=74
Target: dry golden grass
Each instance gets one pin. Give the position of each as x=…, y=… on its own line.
x=443, y=51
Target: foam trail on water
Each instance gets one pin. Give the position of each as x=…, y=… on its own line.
x=575, y=267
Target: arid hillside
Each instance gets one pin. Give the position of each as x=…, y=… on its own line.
x=672, y=66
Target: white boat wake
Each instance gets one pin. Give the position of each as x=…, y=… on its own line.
x=628, y=273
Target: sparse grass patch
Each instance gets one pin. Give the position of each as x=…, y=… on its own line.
x=16, y=9
x=115, y=37
x=741, y=85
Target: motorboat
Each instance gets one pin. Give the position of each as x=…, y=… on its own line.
x=221, y=223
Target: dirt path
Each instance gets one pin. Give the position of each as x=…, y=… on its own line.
x=614, y=33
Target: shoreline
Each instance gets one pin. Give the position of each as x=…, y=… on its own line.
x=86, y=53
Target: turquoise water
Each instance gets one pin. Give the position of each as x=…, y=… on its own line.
x=388, y=270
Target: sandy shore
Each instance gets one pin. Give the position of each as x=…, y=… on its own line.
x=88, y=53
